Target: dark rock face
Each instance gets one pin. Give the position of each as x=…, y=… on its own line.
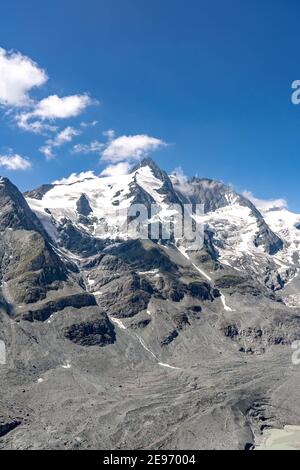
x=15, y=212
x=241, y=284
x=40, y=192
x=83, y=206
x=78, y=241
x=181, y=320
x=273, y=281
x=231, y=331
x=139, y=196
x=158, y=173
x=8, y=426
x=43, y=312
x=95, y=330
x=200, y=290
x=195, y=311
x=8, y=420
x=167, y=189
x=127, y=298
x=107, y=262
x=266, y=238
x=174, y=291
x=133, y=251
x=169, y=338
x=140, y=324
x=228, y=281
x=128, y=279
x=258, y=338
x=30, y=267
x=105, y=268
x=215, y=195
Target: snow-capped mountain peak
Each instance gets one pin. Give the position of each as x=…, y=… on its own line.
x=238, y=235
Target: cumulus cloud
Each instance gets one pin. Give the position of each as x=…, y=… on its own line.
x=14, y=162
x=55, y=107
x=119, y=169
x=93, y=147
x=51, y=108
x=63, y=137
x=18, y=75
x=121, y=151
x=130, y=147
x=74, y=177
x=265, y=204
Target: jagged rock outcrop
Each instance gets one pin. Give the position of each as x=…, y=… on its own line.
x=44, y=311
x=15, y=212
x=90, y=329
x=8, y=425
x=83, y=205
x=40, y=192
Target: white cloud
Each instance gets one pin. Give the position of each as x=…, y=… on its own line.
x=63, y=137
x=18, y=75
x=265, y=204
x=66, y=135
x=14, y=162
x=51, y=108
x=119, y=169
x=120, y=151
x=109, y=133
x=74, y=177
x=93, y=147
x=54, y=107
x=130, y=147
x=181, y=181
x=47, y=150
x=37, y=127
x=89, y=124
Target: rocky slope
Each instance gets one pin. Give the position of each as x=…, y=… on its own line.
x=118, y=342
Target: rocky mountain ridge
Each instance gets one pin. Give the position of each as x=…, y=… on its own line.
x=112, y=326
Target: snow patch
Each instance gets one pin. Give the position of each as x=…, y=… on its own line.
x=118, y=322
x=146, y=347
x=223, y=300
x=67, y=365
x=152, y=271
x=98, y=292
x=163, y=364
x=184, y=253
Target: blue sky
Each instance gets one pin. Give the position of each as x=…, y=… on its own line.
x=212, y=79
